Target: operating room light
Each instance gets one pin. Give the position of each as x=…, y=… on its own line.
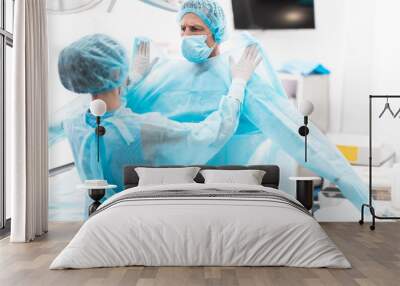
x=70, y=6
x=98, y=108
x=78, y=6
x=305, y=108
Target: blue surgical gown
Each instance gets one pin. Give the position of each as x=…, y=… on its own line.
x=188, y=92
x=144, y=139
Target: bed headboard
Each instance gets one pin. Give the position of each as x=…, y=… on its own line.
x=270, y=179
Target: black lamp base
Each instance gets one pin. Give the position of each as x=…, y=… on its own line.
x=96, y=195
x=100, y=130
x=304, y=193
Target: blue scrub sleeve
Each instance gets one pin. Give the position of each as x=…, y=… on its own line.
x=192, y=143
x=278, y=119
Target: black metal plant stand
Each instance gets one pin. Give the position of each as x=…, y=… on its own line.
x=369, y=205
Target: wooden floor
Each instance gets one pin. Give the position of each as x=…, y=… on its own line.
x=375, y=257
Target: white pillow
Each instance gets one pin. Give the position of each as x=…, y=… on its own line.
x=248, y=177
x=166, y=176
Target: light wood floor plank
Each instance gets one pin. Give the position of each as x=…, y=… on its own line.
x=375, y=257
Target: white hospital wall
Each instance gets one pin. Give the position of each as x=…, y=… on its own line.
x=129, y=18
x=357, y=65
x=385, y=76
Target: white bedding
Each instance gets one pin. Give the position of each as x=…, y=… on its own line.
x=200, y=231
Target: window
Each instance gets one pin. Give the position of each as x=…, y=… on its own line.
x=6, y=44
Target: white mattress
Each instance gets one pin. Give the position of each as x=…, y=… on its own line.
x=193, y=231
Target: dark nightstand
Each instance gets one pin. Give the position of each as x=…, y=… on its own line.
x=96, y=193
x=304, y=190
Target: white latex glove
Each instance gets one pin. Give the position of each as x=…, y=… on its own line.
x=141, y=65
x=247, y=64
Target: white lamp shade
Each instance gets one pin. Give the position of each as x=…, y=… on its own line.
x=306, y=107
x=98, y=107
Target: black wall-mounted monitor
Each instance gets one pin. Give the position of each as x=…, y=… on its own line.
x=273, y=14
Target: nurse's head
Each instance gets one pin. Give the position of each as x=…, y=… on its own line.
x=96, y=65
x=202, y=29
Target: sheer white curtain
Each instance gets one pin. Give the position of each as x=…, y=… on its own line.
x=27, y=118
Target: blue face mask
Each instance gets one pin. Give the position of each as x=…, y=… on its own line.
x=195, y=48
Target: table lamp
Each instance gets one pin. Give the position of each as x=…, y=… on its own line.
x=98, y=108
x=305, y=108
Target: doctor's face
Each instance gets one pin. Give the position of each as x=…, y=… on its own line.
x=192, y=25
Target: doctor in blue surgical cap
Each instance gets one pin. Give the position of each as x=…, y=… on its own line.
x=189, y=90
x=98, y=65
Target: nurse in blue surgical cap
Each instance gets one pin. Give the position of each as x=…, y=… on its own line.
x=97, y=65
x=189, y=90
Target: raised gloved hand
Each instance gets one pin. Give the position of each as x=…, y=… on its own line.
x=247, y=64
x=141, y=65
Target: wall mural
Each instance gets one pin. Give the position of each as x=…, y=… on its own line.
x=164, y=102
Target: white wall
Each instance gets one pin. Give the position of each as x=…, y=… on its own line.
x=357, y=65
x=385, y=75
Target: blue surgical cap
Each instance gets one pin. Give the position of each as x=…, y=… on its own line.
x=94, y=64
x=210, y=12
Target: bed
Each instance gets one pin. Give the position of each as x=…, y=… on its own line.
x=199, y=224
